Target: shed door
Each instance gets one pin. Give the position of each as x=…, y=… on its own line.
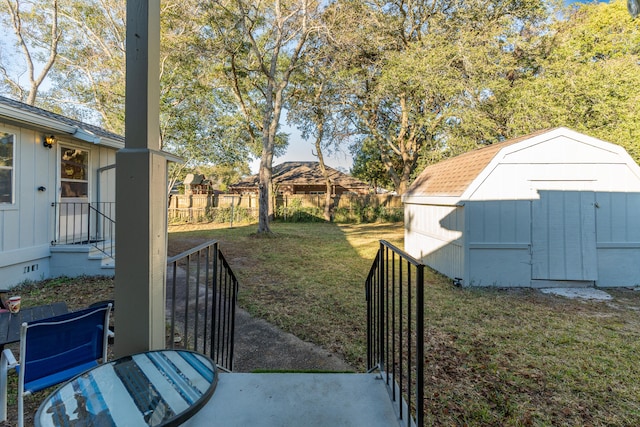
x=564, y=236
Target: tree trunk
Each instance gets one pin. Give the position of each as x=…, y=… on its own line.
x=270, y=122
x=265, y=202
x=328, y=199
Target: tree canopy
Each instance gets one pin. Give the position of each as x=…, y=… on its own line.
x=403, y=83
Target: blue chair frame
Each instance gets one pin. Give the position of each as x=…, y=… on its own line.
x=54, y=350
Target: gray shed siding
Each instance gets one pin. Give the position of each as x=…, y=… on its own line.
x=499, y=240
x=618, y=239
x=437, y=237
x=558, y=208
x=500, y=244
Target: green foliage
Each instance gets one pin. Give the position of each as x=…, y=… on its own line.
x=589, y=79
x=413, y=72
x=360, y=211
x=362, y=214
x=368, y=166
x=296, y=212
x=227, y=214
x=408, y=83
x=215, y=215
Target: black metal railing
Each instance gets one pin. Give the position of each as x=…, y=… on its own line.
x=87, y=224
x=101, y=214
x=395, y=329
x=201, y=301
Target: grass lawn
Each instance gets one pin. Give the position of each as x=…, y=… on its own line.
x=493, y=357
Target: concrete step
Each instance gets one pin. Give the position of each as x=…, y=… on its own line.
x=78, y=260
x=293, y=399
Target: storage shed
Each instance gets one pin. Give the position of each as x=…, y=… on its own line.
x=554, y=208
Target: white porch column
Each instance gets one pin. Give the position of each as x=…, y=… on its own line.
x=141, y=192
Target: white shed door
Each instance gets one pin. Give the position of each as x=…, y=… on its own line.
x=564, y=236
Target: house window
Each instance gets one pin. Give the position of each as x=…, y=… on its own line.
x=74, y=172
x=6, y=167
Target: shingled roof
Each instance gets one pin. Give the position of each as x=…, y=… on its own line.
x=28, y=115
x=303, y=173
x=451, y=177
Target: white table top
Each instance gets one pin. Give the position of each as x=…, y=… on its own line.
x=156, y=388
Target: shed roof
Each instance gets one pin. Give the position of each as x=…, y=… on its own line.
x=303, y=173
x=451, y=177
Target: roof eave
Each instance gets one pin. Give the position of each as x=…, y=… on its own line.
x=54, y=125
x=431, y=200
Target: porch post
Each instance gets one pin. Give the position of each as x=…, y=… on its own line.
x=141, y=195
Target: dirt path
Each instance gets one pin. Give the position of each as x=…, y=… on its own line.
x=260, y=345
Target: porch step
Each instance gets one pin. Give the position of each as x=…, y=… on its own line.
x=106, y=261
x=80, y=260
x=310, y=400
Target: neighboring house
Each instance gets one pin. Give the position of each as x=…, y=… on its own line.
x=554, y=208
x=303, y=178
x=57, y=194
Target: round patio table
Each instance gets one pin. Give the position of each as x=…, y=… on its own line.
x=154, y=388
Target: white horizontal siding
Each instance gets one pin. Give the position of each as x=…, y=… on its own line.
x=433, y=235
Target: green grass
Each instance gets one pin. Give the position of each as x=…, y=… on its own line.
x=493, y=357
x=307, y=279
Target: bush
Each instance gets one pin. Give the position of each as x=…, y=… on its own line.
x=357, y=214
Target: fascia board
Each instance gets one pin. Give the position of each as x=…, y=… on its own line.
x=53, y=125
x=36, y=119
x=432, y=200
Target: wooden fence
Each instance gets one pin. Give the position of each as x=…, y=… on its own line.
x=237, y=207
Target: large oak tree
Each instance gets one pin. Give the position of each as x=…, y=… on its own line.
x=256, y=48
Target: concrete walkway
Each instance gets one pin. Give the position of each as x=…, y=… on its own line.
x=310, y=400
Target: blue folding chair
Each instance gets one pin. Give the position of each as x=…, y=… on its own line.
x=54, y=350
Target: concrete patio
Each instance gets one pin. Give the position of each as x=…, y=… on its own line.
x=295, y=399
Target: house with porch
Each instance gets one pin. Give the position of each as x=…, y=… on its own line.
x=57, y=194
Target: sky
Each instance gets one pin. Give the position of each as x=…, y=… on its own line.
x=300, y=150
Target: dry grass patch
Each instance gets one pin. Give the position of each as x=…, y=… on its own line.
x=493, y=357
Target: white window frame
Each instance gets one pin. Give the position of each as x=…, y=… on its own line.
x=11, y=168
x=87, y=181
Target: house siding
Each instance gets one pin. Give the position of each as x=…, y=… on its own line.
x=28, y=226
